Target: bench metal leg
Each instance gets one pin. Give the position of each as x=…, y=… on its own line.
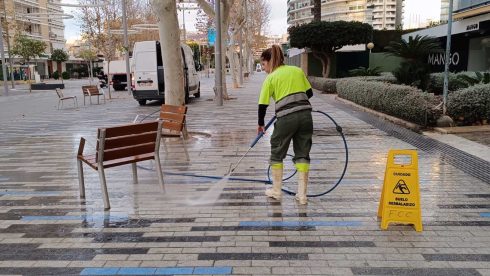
x=135, y=173
x=165, y=146
x=81, y=180
x=158, y=168
x=185, y=149
x=104, y=188
x=59, y=101
x=75, y=102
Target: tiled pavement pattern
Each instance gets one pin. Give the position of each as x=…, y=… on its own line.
x=46, y=229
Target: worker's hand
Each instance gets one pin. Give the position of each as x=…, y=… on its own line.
x=260, y=129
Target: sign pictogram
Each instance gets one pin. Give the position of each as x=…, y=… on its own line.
x=401, y=188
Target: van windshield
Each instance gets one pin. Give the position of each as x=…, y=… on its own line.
x=146, y=61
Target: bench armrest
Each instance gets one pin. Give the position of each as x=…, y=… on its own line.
x=81, y=146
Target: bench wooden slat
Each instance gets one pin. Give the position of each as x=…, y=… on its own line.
x=123, y=141
x=91, y=160
x=129, y=151
x=130, y=129
x=172, y=126
x=174, y=109
x=179, y=118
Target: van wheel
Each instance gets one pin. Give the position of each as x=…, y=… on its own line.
x=198, y=93
x=142, y=102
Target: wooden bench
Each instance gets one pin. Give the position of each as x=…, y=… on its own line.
x=173, y=119
x=121, y=145
x=92, y=90
x=62, y=97
x=246, y=74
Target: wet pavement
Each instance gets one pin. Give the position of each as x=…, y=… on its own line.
x=45, y=228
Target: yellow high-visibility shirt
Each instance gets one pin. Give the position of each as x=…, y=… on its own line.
x=283, y=81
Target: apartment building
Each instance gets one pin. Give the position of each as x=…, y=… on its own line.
x=381, y=14
x=37, y=20
x=444, y=10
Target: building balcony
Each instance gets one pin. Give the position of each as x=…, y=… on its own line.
x=469, y=11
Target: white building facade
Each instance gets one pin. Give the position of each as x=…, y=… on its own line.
x=381, y=14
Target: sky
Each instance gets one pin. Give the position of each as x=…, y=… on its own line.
x=415, y=11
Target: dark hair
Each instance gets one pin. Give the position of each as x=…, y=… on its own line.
x=273, y=55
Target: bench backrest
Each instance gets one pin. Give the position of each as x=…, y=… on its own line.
x=173, y=117
x=90, y=89
x=128, y=140
x=60, y=93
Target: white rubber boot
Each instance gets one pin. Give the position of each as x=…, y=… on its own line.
x=275, y=191
x=302, y=187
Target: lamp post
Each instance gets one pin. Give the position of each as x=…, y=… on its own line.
x=448, y=56
x=4, y=66
x=126, y=46
x=217, y=57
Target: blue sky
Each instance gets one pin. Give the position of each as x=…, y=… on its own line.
x=278, y=25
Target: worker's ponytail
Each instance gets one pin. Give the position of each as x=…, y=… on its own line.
x=273, y=55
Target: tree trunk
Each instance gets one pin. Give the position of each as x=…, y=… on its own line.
x=325, y=60
x=231, y=58
x=224, y=35
x=171, y=54
x=317, y=10
x=326, y=74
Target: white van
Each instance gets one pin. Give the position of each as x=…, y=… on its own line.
x=148, y=81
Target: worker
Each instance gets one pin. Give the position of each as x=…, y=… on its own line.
x=291, y=91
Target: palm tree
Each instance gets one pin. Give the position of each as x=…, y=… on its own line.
x=415, y=49
x=414, y=70
x=317, y=10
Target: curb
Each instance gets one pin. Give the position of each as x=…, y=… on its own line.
x=462, y=129
x=398, y=121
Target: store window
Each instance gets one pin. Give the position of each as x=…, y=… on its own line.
x=479, y=54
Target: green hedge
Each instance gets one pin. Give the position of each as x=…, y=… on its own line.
x=65, y=75
x=401, y=101
x=323, y=84
x=436, y=82
x=470, y=105
x=329, y=86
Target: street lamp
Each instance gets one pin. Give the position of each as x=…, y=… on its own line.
x=4, y=66
x=370, y=46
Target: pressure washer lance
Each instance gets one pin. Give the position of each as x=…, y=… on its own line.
x=232, y=168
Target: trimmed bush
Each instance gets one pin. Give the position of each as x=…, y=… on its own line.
x=385, y=77
x=329, y=86
x=56, y=75
x=436, y=83
x=405, y=102
x=325, y=85
x=470, y=105
x=363, y=71
x=65, y=75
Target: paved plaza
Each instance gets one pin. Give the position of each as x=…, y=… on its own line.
x=46, y=229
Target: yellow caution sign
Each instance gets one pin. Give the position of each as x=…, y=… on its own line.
x=400, y=197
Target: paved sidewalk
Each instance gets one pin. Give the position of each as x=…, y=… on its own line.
x=46, y=229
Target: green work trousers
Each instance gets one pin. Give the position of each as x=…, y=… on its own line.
x=297, y=126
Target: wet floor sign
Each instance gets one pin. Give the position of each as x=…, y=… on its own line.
x=400, y=197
